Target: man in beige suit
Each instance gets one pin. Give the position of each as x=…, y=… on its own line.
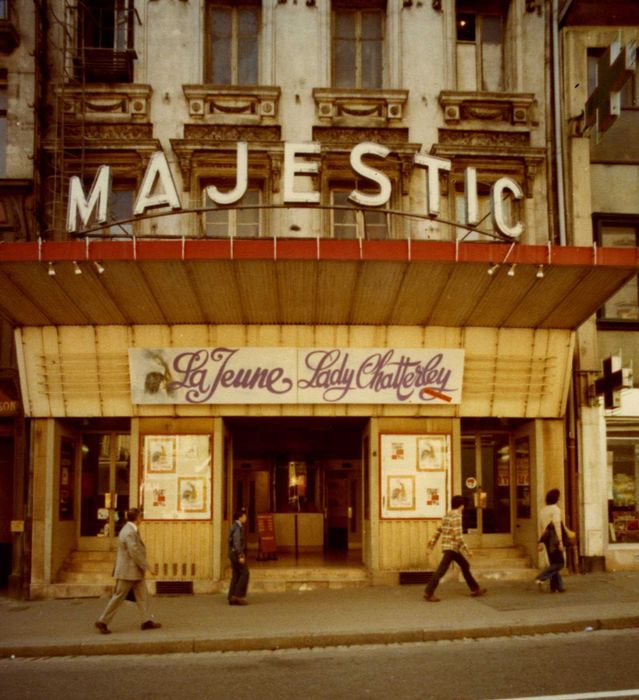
x=130, y=567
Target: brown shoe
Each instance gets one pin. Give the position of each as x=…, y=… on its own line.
x=102, y=627
x=241, y=601
x=478, y=592
x=150, y=625
x=430, y=598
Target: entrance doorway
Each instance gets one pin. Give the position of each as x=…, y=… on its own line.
x=106, y=458
x=487, y=483
x=307, y=473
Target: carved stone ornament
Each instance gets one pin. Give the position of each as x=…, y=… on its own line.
x=257, y=105
x=368, y=108
x=516, y=109
x=105, y=103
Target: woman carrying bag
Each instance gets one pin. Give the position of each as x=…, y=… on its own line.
x=551, y=536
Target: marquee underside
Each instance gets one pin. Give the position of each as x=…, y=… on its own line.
x=307, y=281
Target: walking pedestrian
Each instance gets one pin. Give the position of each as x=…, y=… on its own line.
x=551, y=537
x=130, y=567
x=237, y=555
x=452, y=547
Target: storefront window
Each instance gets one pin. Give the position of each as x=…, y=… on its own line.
x=623, y=472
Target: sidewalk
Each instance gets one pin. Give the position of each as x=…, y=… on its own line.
x=319, y=618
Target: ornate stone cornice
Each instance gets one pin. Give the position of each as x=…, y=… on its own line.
x=347, y=137
x=231, y=132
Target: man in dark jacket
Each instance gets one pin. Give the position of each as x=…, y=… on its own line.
x=237, y=555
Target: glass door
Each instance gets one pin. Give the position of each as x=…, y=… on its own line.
x=487, y=483
x=106, y=458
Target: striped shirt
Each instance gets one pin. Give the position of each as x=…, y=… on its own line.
x=451, y=533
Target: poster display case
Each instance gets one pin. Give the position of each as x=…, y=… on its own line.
x=415, y=475
x=176, y=477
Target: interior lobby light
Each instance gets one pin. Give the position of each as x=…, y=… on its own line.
x=493, y=268
x=76, y=268
x=540, y=272
x=51, y=270
x=511, y=271
x=99, y=267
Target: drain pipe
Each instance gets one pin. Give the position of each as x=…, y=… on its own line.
x=559, y=152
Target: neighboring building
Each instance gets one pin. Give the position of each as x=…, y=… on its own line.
x=17, y=129
x=365, y=309
x=602, y=182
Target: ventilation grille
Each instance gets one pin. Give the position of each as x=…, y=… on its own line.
x=174, y=587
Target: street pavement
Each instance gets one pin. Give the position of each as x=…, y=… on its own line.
x=320, y=618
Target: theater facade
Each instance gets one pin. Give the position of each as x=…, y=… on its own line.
x=334, y=290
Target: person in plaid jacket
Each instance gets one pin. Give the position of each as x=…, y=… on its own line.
x=453, y=549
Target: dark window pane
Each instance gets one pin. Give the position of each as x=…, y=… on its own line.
x=465, y=27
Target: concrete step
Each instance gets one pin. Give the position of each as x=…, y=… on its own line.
x=279, y=579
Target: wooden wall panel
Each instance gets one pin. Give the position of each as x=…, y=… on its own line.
x=179, y=551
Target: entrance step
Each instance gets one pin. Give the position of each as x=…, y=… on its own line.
x=89, y=568
x=501, y=564
x=281, y=579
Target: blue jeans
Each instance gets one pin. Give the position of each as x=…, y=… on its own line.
x=551, y=572
x=448, y=557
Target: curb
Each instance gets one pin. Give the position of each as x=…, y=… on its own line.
x=309, y=641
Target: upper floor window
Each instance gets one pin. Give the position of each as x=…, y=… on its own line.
x=358, y=44
x=105, y=50
x=619, y=231
x=4, y=9
x=235, y=221
x=370, y=224
x=233, y=30
x=122, y=198
x=480, y=45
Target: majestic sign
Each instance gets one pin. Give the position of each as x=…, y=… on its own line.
x=227, y=375
x=158, y=189
x=615, y=67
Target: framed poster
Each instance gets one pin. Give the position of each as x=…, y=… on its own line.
x=415, y=473
x=159, y=454
x=176, y=477
x=432, y=452
x=401, y=490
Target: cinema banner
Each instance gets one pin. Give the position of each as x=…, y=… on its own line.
x=281, y=375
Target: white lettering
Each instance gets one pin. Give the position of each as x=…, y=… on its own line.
x=499, y=214
x=294, y=167
x=385, y=187
x=157, y=169
x=241, y=180
x=80, y=206
x=158, y=187
x=470, y=197
x=434, y=165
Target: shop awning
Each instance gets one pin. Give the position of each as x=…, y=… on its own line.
x=307, y=281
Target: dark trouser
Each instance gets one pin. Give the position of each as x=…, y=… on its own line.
x=239, y=579
x=555, y=565
x=448, y=557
